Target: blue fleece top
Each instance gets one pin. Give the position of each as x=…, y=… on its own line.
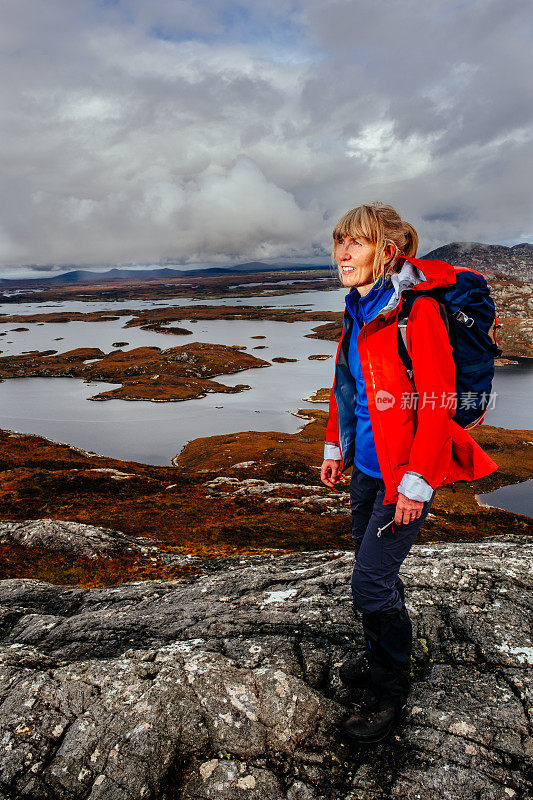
x=363, y=309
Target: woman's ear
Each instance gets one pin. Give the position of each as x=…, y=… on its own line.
x=389, y=252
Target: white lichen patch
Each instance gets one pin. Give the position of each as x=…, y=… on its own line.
x=462, y=729
x=243, y=700
x=282, y=684
x=208, y=767
x=279, y=596
x=179, y=647
x=248, y=782
x=523, y=654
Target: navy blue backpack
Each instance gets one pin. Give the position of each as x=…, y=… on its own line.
x=468, y=312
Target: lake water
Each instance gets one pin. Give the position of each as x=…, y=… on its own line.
x=155, y=432
x=518, y=497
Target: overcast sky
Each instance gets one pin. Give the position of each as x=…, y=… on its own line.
x=136, y=130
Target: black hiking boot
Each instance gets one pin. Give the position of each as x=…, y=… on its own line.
x=372, y=723
x=355, y=671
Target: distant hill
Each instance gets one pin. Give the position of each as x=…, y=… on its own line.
x=117, y=274
x=514, y=262
x=164, y=273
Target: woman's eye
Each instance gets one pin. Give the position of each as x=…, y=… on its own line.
x=348, y=240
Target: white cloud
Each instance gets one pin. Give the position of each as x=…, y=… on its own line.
x=387, y=156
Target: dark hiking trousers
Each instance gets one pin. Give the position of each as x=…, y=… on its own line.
x=377, y=589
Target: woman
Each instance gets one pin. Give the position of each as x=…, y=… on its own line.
x=399, y=436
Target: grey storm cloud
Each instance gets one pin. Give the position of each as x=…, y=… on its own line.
x=213, y=132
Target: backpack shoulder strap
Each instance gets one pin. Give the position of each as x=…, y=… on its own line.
x=402, y=326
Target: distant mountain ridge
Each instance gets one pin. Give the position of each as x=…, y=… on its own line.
x=118, y=274
x=513, y=262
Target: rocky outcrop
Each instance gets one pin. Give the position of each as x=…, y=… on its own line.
x=514, y=307
x=226, y=685
x=515, y=262
x=68, y=537
x=92, y=542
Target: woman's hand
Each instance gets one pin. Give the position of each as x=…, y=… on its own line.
x=407, y=510
x=330, y=472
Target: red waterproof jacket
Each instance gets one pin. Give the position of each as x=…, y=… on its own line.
x=422, y=439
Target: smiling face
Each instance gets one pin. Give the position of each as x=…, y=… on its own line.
x=355, y=257
x=368, y=243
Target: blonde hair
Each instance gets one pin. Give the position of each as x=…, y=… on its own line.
x=381, y=225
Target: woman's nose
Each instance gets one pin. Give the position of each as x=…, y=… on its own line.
x=342, y=252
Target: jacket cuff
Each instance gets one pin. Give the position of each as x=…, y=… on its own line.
x=415, y=487
x=332, y=451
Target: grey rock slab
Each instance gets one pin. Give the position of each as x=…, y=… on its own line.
x=226, y=684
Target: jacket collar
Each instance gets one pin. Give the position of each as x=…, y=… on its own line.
x=420, y=274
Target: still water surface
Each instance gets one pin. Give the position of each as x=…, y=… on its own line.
x=517, y=497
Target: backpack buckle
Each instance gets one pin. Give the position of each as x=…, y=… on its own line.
x=460, y=316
